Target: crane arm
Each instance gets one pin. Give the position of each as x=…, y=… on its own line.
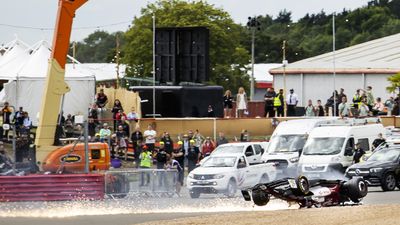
x=55, y=85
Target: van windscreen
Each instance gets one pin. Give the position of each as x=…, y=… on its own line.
x=323, y=146
x=287, y=143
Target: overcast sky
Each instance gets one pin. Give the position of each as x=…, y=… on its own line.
x=42, y=13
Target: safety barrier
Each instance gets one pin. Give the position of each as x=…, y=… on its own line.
x=52, y=187
x=141, y=182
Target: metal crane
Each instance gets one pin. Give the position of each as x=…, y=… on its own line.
x=55, y=86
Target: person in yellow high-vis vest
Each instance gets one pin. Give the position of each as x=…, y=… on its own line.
x=279, y=103
x=145, y=164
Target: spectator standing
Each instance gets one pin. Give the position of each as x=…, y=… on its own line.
x=330, y=103
x=309, y=109
x=198, y=138
x=120, y=141
x=228, y=100
x=221, y=139
x=207, y=147
x=291, y=102
x=358, y=153
x=319, y=109
x=241, y=102
x=179, y=155
x=145, y=163
x=137, y=140
x=269, y=103
x=279, y=103
x=19, y=119
x=161, y=158
x=101, y=99
x=150, y=137
x=91, y=128
x=169, y=143
x=378, y=141
x=6, y=113
x=341, y=95
x=174, y=164
x=356, y=99
x=193, y=156
x=370, y=97
x=94, y=113
x=344, y=108
x=116, y=108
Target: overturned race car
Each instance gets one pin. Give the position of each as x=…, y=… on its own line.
x=308, y=193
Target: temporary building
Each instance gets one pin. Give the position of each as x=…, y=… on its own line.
x=355, y=67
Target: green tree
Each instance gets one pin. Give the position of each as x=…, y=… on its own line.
x=227, y=55
x=394, y=83
x=98, y=47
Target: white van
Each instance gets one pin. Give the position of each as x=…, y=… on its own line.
x=287, y=142
x=330, y=149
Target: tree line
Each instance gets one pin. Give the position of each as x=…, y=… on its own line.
x=230, y=43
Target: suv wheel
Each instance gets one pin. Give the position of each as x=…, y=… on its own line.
x=231, y=189
x=388, y=182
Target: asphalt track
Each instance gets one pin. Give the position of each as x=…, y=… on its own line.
x=138, y=210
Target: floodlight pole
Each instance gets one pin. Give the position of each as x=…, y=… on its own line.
x=154, y=65
x=334, y=63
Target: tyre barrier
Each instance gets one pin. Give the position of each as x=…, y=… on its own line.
x=52, y=187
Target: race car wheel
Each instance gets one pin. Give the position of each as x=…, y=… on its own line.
x=231, y=189
x=194, y=194
x=357, y=189
x=388, y=182
x=260, y=197
x=303, y=186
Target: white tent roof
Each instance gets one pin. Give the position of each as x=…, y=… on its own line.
x=28, y=63
x=13, y=60
x=261, y=71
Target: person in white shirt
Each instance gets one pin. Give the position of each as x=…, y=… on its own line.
x=132, y=115
x=291, y=102
x=344, y=108
x=150, y=137
x=378, y=108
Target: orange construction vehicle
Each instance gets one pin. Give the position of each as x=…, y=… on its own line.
x=71, y=158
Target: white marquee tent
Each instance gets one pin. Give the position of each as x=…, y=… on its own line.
x=25, y=68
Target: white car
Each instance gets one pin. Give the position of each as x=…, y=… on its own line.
x=226, y=174
x=252, y=150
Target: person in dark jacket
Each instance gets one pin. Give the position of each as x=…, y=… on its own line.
x=137, y=140
x=358, y=153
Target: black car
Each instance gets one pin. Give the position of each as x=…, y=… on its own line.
x=382, y=168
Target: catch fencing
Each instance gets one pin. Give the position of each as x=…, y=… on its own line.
x=141, y=183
